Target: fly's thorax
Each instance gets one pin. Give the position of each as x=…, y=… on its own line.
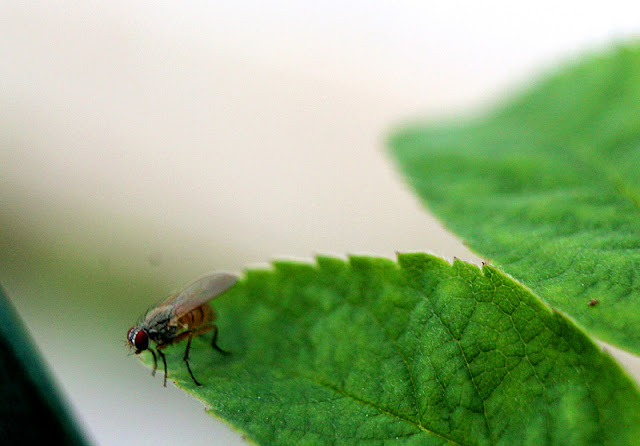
x=163, y=333
x=157, y=323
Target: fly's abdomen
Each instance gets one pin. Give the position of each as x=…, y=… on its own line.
x=197, y=317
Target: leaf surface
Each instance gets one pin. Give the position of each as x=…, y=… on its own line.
x=548, y=188
x=371, y=351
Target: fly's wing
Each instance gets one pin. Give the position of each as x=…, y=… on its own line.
x=199, y=292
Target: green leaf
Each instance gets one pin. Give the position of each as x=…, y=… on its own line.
x=548, y=188
x=417, y=352
x=31, y=411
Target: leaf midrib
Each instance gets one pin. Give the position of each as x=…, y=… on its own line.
x=375, y=406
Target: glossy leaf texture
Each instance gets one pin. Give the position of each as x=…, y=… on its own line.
x=31, y=409
x=548, y=188
x=370, y=351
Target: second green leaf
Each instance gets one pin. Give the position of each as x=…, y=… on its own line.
x=548, y=188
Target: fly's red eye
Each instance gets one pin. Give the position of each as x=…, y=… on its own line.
x=141, y=340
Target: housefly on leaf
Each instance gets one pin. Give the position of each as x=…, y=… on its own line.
x=184, y=315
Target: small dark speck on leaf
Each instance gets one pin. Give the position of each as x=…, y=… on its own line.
x=593, y=302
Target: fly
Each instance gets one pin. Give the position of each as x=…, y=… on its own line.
x=184, y=315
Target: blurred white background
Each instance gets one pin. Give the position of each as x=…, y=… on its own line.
x=173, y=138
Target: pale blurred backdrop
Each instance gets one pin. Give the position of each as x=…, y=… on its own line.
x=144, y=143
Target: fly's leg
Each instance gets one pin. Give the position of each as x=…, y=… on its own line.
x=190, y=334
x=155, y=363
x=214, y=344
x=193, y=333
x=186, y=361
x=164, y=360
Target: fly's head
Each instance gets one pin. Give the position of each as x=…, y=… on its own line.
x=138, y=338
